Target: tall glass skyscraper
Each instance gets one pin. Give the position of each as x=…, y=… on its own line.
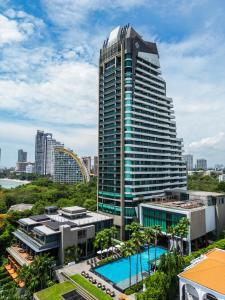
x=140, y=155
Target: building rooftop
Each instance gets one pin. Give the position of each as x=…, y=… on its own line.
x=209, y=271
x=74, y=209
x=20, y=207
x=44, y=230
x=176, y=204
x=27, y=221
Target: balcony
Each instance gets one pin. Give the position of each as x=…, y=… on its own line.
x=34, y=243
x=20, y=255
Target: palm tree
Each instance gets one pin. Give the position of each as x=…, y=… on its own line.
x=157, y=232
x=182, y=229
x=149, y=237
x=141, y=239
x=133, y=227
x=127, y=250
x=100, y=240
x=113, y=234
x=135, y=241
x=172, y=233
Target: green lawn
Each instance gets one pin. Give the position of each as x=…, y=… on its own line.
x=55, y=291
x=91, y=288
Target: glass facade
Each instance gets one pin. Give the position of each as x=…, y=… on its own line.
x=139, y=152
x=166, y=219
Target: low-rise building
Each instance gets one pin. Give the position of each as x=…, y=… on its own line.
x=56, y=231
x=204, y=210
x=20, y=207
x=204, y=278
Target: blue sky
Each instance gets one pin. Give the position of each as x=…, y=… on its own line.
x=48, y=69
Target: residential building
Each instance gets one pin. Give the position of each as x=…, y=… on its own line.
x=201, y=164
x=87, y=162
x=204, y=210
x=140, y=155
x=221, y=177
x=21, y=207
x=21, y=167
x=22, y=156
x=40, y=151
x=30, y=168
x=68, y=167
x=44, y=148
x=54, y=232
x=188, y=158
x=204, y=278
x=95, y=165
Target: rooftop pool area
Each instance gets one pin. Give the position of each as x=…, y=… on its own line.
x=118, y=272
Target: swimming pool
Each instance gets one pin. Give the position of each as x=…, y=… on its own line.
x=118, y=271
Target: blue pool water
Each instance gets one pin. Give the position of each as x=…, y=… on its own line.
x=119, y=270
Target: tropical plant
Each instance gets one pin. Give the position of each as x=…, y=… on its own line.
x=157, y=232
x=182, y=229
x=37, y=275
x=149, y=237
x=100, y=241
x=72, y=253
x=126, y=250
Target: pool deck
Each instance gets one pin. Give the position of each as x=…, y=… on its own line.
x=83, y=266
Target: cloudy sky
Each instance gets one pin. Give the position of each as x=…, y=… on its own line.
x=48, y=69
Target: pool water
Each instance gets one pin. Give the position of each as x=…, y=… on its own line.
x=119, y=270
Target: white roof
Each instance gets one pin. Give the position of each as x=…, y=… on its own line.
x=114, y=35
x=27, y=221
x=21, y=207
x=44, y=229
x=90, y=218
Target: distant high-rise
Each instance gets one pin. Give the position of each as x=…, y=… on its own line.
x=44, y=147
x=87, y=162
x=22, y=156
x=201, y=164
x=188, y=158
x=68, y=167
x=140, y=155
x=96, y=165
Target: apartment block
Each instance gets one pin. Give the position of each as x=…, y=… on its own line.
x=140, y=156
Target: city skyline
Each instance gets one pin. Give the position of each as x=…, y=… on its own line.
x=50, y=55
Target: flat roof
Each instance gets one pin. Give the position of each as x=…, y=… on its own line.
x=198, y=193
x=44, y=230
x=27, y=221
x=91, y=217
x=189, y=205
x=21, y=207
x=209, y=271
x=73, y=209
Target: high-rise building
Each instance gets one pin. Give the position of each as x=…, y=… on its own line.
x=201, y=164
x=140, y=155
x=96, y=165
x=68, y=167
x=22, y=156
x=188, y=158
x=87, y=161
x=44, y=148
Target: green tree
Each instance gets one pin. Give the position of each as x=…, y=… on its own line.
x=101, y=239
x=38, y=275
x=127, y=250
x=149, y=238
x=157, y=232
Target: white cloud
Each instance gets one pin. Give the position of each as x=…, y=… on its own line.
x=15, y=136
x=211, y=141
x=67, y=94
x=9, y=31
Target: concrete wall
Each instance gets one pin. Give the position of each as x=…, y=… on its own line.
x=198, y=225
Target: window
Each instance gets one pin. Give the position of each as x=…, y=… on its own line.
x=81, y=234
